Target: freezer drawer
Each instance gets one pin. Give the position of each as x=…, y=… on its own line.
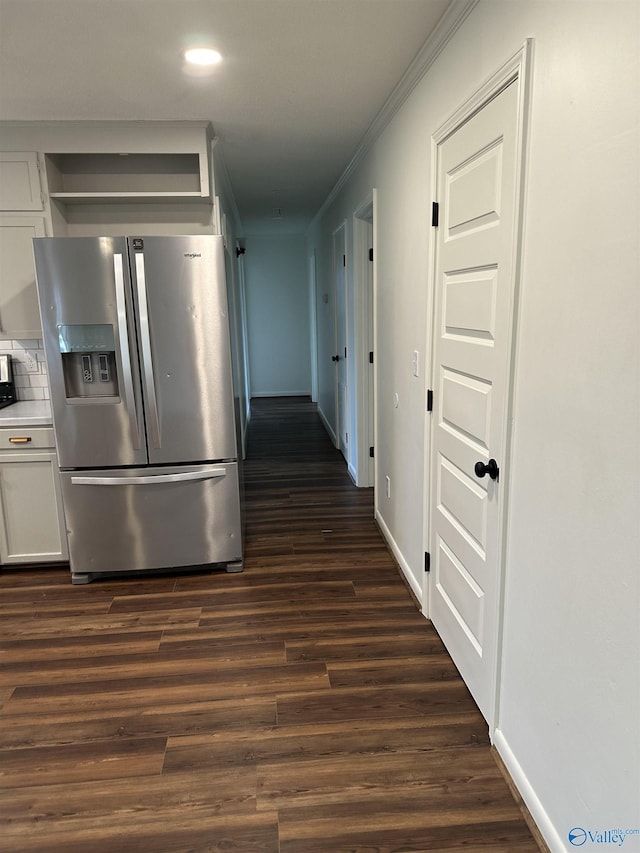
x=140, y=519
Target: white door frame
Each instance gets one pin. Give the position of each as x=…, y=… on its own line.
x=342, y=423
x=364, y=299
x=517, y=68
x=313, y=325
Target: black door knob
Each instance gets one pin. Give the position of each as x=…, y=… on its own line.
x=491, y=468
x=335, y=358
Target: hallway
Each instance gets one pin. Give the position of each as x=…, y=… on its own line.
x=303, y=706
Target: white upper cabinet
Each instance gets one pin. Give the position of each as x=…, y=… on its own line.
x=108, y=178
x=19, y=181
x=155, y=177
x=19, y=314
x=20, y=198
x=103, y=162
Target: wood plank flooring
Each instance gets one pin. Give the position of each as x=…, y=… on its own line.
x=304, y=706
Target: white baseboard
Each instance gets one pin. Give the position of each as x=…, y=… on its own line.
x=536, y=809
x=397, y=553
x=281, y=394
x=328, y=427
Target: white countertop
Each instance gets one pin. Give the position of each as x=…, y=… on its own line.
x=26, y=413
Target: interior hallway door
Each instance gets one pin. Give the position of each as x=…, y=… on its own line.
x=340, y=357
x=477, y=170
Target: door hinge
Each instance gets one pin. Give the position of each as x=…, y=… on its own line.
x=435, y=214
x=370, y=358
x=427, y=561
x=429, y=400
x=371, y=254
x=344, y=260
x=371, y=453
x=345, y=352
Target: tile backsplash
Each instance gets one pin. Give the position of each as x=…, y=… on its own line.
x=29, y=368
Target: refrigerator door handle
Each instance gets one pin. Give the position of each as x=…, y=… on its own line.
x=150, y=479
x=123, y=335
x=147, y=358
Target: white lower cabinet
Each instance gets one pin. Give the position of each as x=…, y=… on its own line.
x=32, y=528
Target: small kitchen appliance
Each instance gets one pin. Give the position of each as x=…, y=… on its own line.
x=7, y=385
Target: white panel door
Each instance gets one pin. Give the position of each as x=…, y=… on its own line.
x=369, y=413
x=473, y=318
x=340, y=357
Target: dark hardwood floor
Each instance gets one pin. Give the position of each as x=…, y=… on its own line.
x=304, y=706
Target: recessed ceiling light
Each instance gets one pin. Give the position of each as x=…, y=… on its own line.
x=202, y=56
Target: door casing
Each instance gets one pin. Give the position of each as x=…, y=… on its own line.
x=364, y=272
x=341, y=371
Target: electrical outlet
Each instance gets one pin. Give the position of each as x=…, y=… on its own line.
x=388, y=479
x=30, y=362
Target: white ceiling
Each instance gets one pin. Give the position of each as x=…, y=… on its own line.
x=300, y=84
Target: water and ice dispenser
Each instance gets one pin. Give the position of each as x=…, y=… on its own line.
x=88, y=361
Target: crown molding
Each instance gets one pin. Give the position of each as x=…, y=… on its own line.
x=448, y=25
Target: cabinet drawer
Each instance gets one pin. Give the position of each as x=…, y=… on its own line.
x=26, y=438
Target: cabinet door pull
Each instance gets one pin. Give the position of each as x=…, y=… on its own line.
x=20, y=439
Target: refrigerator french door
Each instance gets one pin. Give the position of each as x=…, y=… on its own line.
x=136, y=335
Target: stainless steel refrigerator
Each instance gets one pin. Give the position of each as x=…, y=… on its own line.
x=136, y=335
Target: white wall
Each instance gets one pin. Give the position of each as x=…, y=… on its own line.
x=570, y=680
x=276, y=272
